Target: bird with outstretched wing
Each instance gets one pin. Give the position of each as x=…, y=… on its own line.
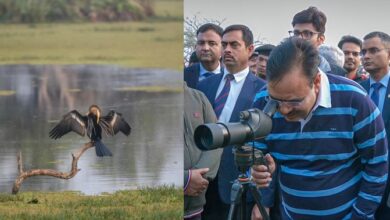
x=93, y=125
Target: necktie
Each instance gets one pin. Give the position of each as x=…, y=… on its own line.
x=375, y=92
x=220, y=101
x=207, y=74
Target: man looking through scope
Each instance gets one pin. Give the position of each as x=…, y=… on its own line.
x=327, y=138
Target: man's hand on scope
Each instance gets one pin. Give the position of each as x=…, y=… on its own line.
x=262, y=175
x=197, y=182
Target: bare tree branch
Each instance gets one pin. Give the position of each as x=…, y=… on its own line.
x=48, y=172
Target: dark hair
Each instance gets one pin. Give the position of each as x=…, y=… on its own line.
x=247, y=35
x=264, y=49
x=210, y=26
x=293, y=52
x=311, y=15
x=349, y=39
x=385, y=38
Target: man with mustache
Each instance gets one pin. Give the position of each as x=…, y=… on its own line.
x=352, y=46
x=208, y=50
x=230, y=93
x=376, y=59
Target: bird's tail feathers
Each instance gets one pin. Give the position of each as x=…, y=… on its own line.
x=101, y=149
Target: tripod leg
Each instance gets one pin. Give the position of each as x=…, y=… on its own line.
x=231, y=211
x=256, y=195
x=235, y=198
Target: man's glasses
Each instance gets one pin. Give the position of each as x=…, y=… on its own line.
x=306, y=34
x=372, y=51
x=290, y=103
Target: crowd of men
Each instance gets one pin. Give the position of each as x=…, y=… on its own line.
x=327, y=153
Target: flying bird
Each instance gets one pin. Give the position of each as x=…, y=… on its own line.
x=92, y=125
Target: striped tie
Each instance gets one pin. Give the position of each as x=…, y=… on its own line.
x=220, y=101
x=375, y=93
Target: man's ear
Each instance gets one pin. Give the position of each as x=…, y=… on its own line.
x=251, y=49
x=320, y=39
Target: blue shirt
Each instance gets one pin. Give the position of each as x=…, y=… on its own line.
x=335, y=167
x=382, y=91
x=203, y=71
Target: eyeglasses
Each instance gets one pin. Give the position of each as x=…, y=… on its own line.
x=372, y=51
x=353, y=53
x=306, y=34
x=290, y=103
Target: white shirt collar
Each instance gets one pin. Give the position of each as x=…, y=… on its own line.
x=239, y=75
x=384, y=81
x=202, y=70
x=323, y=98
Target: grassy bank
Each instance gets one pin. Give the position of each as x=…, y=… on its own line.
x=160, y=203
x=155, y=43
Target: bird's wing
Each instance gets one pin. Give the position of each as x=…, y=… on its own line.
x=113, y=122
x=73, y=121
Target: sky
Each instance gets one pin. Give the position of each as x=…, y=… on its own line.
x=270, y=21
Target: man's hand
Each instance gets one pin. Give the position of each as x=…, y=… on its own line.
x=197, y=183
x=256, y=215
x=261, y=175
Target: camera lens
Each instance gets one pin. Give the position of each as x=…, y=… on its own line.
x=211, y=136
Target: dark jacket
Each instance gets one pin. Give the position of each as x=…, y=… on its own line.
x=197, y=111
x=191, y=75
x=383, y=211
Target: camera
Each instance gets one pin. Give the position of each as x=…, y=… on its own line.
x=253, y=124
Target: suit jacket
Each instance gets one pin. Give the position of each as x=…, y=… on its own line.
x=228, y=172
x=383, y=211
x=191, y=75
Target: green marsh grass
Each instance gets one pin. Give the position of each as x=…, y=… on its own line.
x=153, y=43
x=148, y=203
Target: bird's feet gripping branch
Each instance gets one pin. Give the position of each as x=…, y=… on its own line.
x=92, y=124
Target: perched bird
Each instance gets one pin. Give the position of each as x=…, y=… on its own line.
x=92, y=124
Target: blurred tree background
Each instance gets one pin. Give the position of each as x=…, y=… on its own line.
x=132, y=33
x=30, y=11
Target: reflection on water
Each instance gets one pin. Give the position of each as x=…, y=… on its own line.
x=34, y=98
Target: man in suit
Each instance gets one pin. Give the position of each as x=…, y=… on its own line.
x=376, y=58
x=230, y=93
x=208, y=50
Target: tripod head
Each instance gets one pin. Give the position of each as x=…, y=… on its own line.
x=247, y=156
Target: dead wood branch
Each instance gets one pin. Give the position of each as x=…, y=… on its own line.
x=48, y=172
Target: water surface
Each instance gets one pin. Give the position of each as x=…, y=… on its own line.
x=34, y=98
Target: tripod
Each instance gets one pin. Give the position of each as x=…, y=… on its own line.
x=244, y=157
